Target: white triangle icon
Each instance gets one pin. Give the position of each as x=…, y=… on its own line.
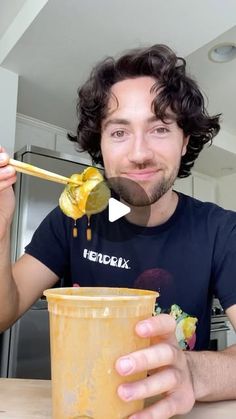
x=116, y=210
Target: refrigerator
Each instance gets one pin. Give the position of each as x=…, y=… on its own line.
x=24, y=347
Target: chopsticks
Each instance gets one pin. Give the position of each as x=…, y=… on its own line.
x=29, y=169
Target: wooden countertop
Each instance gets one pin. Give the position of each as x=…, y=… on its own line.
x=31, y=399
x=25, y=399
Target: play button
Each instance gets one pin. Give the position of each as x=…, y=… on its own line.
x=117, y=210
x=112, y=223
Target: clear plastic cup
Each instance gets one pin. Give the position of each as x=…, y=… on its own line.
x=90, y=328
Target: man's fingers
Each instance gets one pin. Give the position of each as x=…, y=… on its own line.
x=161, y=325
x=158, y=328
x=7, y=172
x=4, y=158
x=165, y=408
x=155, y=356
x=159, y=383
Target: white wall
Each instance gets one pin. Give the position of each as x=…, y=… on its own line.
x=8, y=103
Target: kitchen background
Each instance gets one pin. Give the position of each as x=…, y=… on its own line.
x=47, y=48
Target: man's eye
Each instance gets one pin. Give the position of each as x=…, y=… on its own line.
x=161, y=130
x=118, y=134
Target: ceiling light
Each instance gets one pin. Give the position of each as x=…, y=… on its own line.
x=222, y=53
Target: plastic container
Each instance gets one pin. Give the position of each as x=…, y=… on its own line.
x=90, y=328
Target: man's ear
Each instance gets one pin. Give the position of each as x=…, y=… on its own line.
x=185, y=143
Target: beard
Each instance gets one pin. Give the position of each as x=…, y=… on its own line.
x=138, y=195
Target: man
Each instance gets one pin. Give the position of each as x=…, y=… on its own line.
x=144, y=119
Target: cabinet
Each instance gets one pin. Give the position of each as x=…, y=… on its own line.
x=184, y=185
x=226, y=192
x=199, y=186
x=30, y=131
x=204, y=188
x=33, y=134
x=64, y=145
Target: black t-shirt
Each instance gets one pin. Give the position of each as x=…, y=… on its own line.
x=188, y=259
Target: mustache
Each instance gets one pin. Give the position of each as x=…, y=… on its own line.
x=131, y=168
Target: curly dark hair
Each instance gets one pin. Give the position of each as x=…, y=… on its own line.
x=175, y=90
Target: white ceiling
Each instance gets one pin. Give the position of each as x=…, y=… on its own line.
x=55, y=54
x=217, y=80
x=9, y=10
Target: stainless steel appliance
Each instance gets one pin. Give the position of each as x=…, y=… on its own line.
x=24, y=350
x=219, y=327
x=26, y=347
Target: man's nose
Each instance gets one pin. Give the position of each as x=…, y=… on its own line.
x=140, y=151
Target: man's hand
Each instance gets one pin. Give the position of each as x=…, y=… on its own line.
x=169, y=378
x=7, y=198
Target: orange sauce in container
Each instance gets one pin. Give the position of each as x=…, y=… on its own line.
x=90, y=328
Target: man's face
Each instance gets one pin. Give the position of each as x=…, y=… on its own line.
x=137, y=146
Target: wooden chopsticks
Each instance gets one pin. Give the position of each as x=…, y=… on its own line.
x=29, y=169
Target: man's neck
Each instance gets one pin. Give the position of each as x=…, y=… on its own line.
x=160, y=211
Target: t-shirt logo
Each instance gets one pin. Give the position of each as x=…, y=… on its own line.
x=117, y=262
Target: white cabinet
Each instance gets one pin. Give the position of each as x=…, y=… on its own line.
x=29, y=133
x=204, y=188
x=184, y=185
x=199, y=186
x=64, y=145
x=226, y=192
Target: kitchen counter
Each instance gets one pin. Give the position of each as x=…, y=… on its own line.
x=31, y=399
